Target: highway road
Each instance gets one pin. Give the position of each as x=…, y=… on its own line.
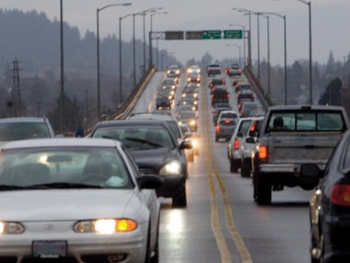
x=222, y=223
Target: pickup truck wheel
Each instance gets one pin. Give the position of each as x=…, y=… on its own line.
x=245, y=168
x=234, y=165
x=263, y=192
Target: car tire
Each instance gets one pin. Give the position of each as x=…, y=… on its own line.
x=190, y=157
x=148, y=249
x=181, y=199
x=196, y=151
x=245, y=168
x=234, y=165
x=263, y=190
x=216, y=138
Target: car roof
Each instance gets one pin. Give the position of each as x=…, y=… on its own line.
x=59, y=142
x=151, y=116
x=23, y=119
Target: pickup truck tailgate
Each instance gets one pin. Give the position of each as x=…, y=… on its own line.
x=303, y=148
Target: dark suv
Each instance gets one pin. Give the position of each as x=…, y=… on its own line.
x=219, y=95
x=155, y=150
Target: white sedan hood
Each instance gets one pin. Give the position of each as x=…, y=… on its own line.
x=71, y=204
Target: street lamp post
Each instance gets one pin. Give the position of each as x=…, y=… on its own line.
x=62, y=66
x=150, y=39
x=244, y=44
x=249, y=62
x=310, y=51
x=142, y=13
x=285, y=51
x=98, y=55
x=239, y=50
x=120, y=59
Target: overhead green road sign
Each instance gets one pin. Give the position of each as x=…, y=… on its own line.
x=212, y=34
x=233, y=34
x=174, y=35
x=190, y=35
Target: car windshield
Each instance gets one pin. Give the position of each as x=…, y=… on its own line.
x=23, y=130
x=63, y=167
x=186, y=115
x=141, y=138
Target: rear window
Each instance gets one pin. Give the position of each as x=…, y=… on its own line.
x=229, y=115
x=227, y=122
x=307, y=121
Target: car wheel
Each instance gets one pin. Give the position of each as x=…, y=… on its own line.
x=216, y=138
x=234, y=165
x=155, y=258
x=196, y=151
x=263, y=191
x=190, y=157
x=245, y=168
x=148, y=249
x=180, y=200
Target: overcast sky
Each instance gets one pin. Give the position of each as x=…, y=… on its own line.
x=330, y=24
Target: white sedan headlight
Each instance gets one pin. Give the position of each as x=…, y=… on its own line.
x=11, y=228
x=171, y=168
x=105, y=226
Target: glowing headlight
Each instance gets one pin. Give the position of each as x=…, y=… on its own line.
x=170, y=97
x=180, y=122
x=189, y=70
x=171, y=168
x=193, y=108
x=193, y=122
x=168, y=71
x=195, y=102
x=105, y=226
x=184, y=95
x=177, y=71
x=188, y=79
x=194, y=143
x=195, y=95
x=11, y=228
x=172, y=92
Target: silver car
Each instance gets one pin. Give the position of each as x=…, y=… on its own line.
x=76, y=200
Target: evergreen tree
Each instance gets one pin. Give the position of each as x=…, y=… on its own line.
x=332, y=95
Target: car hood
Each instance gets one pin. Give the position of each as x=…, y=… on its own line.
x=67, y=204
x=154, y=158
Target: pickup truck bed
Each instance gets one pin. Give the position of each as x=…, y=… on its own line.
x=291, y=136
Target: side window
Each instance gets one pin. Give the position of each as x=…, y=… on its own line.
x=245, y=126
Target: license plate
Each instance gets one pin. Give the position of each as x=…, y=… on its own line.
x=49, y=249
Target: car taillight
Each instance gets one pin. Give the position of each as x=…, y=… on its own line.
x=217, y=128
x=240, y=71
x=236, y=145
x=212, y=96
x=253, y=95
x=227, y=121
x=341, y=195
x=227, y=95
x=237, y=95
x=263, y=154
x=252, y=128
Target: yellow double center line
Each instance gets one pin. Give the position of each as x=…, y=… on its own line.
x=215, y=219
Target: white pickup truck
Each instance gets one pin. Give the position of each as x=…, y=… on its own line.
x=291, y=136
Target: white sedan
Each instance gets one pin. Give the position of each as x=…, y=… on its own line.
x=78, y=200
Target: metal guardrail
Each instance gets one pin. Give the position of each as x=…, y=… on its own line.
x=262, y=95
x=129, y=104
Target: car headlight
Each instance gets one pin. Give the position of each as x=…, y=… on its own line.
x=170, y=97
x=195, y=102
x=171, y=168
x=179, y=122
x=177, y=71
x=11, y=228
x=194, y=143
x=193, y=122
x=168, y=71
x=193, y=108
x=105, y=226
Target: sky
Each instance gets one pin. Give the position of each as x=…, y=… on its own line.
x=330, y=23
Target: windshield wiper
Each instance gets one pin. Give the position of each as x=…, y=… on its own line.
x=143, y=141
